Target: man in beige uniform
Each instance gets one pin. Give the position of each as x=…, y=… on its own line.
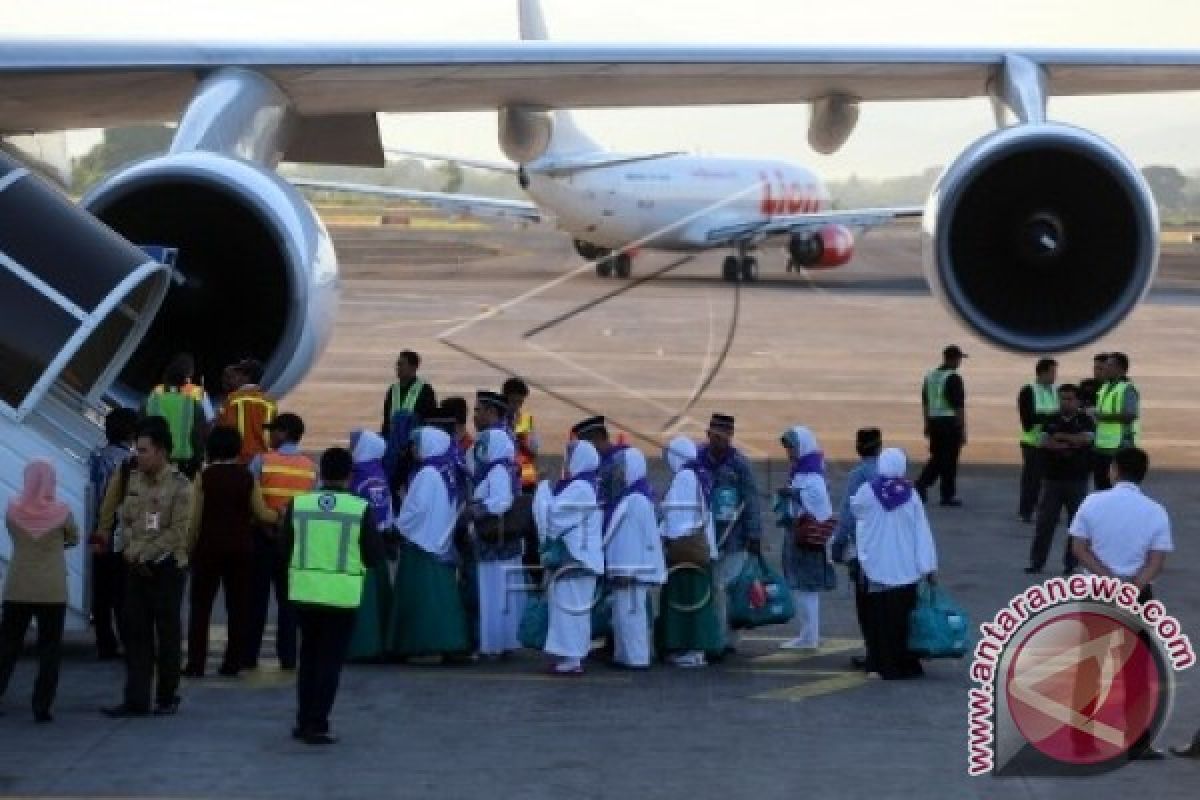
x=153, y=520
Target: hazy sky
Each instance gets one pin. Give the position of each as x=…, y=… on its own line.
x=891, y=139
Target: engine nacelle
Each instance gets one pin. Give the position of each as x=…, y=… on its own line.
x=832, y=119
x=525, y=133
x=1041, y=238
x=831, y=246
x=256, y=273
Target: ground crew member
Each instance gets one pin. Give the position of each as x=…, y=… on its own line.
x=520, y=422
x=1066, y=443
x=284, y=474
x=1037, y=402
x=177, y=401
x=409, y=393
x=154, y=518
x=1089, y=388
x=1118, y=418
x=331, y=541
x=248, y=409
x=943, y=404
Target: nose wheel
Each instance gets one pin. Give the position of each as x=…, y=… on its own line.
x=620, y=265
x=740, y=268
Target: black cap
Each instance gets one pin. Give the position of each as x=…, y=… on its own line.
x=493, y=399
x=722, y=423
x=953, y=351
x=289, y=424
x=589, y=426
x=867, y=438
x=443, y=424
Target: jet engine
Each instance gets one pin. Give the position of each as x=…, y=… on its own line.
x=1041, y=237
x=255, y=274
x=831, y=246
x=525, y=133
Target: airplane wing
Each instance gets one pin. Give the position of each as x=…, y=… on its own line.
x=473, y=163
x=472, y=205
x=554, y=167
x=861, y=219
x=54, y=84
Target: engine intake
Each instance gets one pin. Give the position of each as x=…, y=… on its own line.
x=1041, y=238
x=256, y=272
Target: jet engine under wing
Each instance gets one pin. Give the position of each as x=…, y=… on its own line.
x=472, y=205
x=784, y=224
x=48, y=84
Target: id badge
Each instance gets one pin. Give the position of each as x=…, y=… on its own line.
x=152, y=520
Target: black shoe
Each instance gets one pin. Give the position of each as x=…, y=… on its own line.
x=299, y=733
x=1150, y=754
x=43, y=717
x=858, y=662
x=123, y=711
x=1026, y=518
x=1032, y=570
x=953, y=502
x=167, y=708
x=312, y=737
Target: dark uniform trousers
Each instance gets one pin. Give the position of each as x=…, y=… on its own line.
x=1056, y=495
x=325, y=635
x=1032, y=459
x=108, y=600
x=945, y=442
x=14, y=622
x=153, y=597
x=270, y=576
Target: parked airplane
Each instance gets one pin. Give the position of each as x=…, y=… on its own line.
x=614, y=204
x=1040, y=236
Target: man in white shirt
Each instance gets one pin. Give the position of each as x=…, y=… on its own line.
x=1120, y=531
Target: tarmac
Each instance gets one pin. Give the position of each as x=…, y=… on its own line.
x=833, y=351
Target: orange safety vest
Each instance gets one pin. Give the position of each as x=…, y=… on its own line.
x=249, y=410
x=526, y=460
x=285, y=477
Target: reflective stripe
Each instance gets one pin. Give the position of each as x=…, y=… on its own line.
x=409, y=401
x=295, y=472
x=1112, y=435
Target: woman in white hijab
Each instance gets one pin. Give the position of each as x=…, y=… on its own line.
x=895, y=550
x=806, y=565
x=500, y=576
x=570, y=520
x=633, y=559
x=427, y=615
x=688, y=626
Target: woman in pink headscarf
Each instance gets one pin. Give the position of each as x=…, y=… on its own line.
x=41, y=527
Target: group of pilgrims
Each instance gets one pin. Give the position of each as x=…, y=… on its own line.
x=483, y=566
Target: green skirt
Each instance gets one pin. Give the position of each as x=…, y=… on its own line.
x=687, y=618
x=427, y=611
x=370, y=622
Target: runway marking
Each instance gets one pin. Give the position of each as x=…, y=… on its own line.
x=830, y=647
x=829, y=685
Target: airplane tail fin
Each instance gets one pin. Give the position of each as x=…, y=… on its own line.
x=568, y=138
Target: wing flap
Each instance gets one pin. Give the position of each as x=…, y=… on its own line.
x=862, y=219
x=473, y=205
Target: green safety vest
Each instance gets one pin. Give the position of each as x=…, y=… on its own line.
x=935, y=393
x=408, y=400
x=179, y=410
x=1045, y=402
x=1111, y=400
x=326, y=566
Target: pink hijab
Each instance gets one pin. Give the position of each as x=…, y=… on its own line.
x=36, y=509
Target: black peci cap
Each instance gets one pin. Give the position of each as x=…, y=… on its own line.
x=721, y=423
x=493, y=399
x=589, y=426
x=953, y=351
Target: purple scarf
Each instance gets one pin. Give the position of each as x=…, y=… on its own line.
x=587, y=475
x=891, y=492
x=811, y=464
x=369, y=481
x=510, y=467
x=447, y=465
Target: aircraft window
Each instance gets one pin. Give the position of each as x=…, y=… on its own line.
x=33, y=329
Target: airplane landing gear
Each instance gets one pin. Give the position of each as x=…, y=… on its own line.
x=742, y=267
x=620, y=265
x=604, y=267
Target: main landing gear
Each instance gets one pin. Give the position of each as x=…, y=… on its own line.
x=620, y=265
x=742, y=267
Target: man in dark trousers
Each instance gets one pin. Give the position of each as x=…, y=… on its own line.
x=1066, y=442
x=1036, y=403
x=332, y=539
x=944, y=408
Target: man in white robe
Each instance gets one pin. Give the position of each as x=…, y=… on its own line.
x=500, y=576
x=633, y=559
x=569, y=513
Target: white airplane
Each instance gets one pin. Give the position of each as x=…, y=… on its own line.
x=613, y=204
x=1040, y=237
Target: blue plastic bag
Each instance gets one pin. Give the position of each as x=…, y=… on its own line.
x=938, y=627
x=535, y=623
x=759, y=596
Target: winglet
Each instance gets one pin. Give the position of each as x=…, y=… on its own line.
x=532, y=22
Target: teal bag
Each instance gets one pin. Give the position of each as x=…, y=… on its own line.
x=535, y=623
x=759, y=596
x=554, y=554
x=938, y=627
x=725, y=503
